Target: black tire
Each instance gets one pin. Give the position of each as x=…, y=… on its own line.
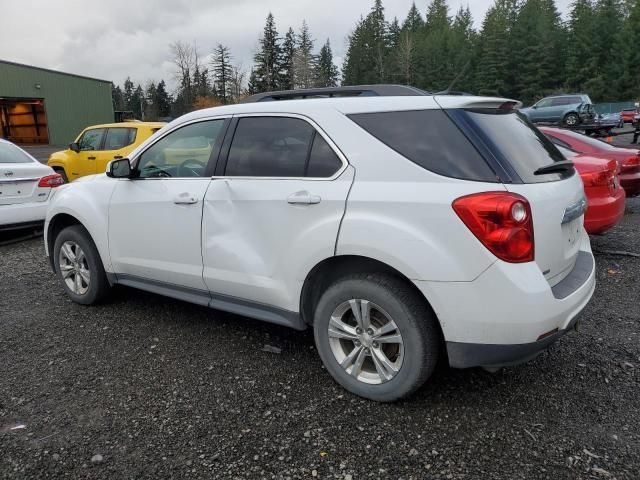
x=571, y=119
x=62, y=173
x=98, y=286
x=416, y=323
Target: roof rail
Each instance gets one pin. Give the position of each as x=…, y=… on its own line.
x=349, y=91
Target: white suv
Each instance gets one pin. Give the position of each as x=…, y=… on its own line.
x=401, y=228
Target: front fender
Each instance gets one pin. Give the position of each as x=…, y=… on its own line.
x=88, y=203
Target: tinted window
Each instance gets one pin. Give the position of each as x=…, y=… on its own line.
x=429, y=139
x=323, y=161
x=182, y=153
x=573, y=100
x=12, y=154
x=559, y=143
x=545, y=102
x=269, y=147
x=518, y=143
x=118, y=138
x=559, y=101
x=91, y=139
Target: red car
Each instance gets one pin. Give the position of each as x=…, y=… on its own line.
x=628, y=158
x=605, y=196
x=628, y=114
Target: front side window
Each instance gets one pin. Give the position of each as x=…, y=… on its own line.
x=91, y=139
x=182, y=153
x=118, y=138
x=545, y=102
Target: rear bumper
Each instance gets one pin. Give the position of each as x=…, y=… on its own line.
x=631, y=183
x=510, y=313
x=604, y=213
x=22, y=215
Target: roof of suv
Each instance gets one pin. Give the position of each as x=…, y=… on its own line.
x=349, y=105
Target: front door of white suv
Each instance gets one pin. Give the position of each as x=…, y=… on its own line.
x=155, y=218
x=273, y=210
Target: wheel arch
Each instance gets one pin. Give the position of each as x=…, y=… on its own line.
x=333, y=268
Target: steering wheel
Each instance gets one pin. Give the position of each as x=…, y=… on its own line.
x=192, y=166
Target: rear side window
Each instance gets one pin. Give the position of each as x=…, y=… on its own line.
x=12, y=154
x=517, y=143
x=279, y=147
x=118, y=138
x=429, y=139
x=560, y=101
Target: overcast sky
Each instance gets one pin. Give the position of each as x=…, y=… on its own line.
x=114, y=39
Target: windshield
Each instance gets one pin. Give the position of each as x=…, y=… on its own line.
x=514, y=139
x=11, y=154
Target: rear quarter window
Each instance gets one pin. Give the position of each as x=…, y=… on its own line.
x=430, y=139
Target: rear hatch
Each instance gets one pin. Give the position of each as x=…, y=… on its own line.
x=529, y=165
x=19, y=177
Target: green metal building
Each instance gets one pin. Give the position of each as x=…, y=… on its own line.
x=44, y=106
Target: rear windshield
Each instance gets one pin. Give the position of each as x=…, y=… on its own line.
x=429, y=139
x=12, y=154
x=517, y=143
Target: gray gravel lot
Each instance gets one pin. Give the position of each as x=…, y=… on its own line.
x=149, y=387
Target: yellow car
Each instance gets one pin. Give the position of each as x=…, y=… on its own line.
x=98, y=145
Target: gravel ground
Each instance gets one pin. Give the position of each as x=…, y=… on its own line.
x=148, y=387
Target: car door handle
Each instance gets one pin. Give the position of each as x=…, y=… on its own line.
x=117, y=157
x=304, y=198
x=185, y=199
x=91, y=158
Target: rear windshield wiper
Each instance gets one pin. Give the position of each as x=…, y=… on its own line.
x=561, y=166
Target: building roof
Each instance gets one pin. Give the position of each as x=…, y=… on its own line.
x=23, y=65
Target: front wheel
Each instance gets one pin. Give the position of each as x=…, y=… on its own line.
x=376, y=336
x=571, y=119
x=79, y=266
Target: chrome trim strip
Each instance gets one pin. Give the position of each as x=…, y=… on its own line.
x=19, y=180
x=574, y=211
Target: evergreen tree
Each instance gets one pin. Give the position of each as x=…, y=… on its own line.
x=222, y=72
x=607, y=51
x=630, y=40
x=414, y=22
x=150, y=95
x=433, y=67
x=304, y=61
x=266, y=73
x=461, y=47
x=326, y=71
x=537, y=50
x=138, y=103
x=128, y=94
x=367, y=51
x=493, y=49
x=163, y=100
x=580, y=62
x=117, y=98
x=287, y=59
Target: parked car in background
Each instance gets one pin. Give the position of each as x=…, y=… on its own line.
x=614, y=119
x=628, y=158
x=605, y=196
x=98, y=145
x=429, y=249
x=25, y=186
x=628, y=114
x=567, y=109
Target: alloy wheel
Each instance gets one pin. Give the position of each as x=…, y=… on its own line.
x=74, y=267
x=365, y=341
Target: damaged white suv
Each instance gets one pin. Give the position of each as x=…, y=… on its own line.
x=400, y=226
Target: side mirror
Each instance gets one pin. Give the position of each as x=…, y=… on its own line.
x=74, y=147
x=120, y=168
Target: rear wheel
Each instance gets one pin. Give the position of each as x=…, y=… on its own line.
x=376, y=336
x=571, y=119
x=79, y=266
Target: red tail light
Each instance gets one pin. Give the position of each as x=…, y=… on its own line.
x=501, y=221
x=631, y=164
x=51, y=181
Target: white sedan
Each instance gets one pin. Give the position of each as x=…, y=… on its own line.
x=25, y=187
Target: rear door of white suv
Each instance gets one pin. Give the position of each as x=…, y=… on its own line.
x=155, y=218
x=273, y=209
